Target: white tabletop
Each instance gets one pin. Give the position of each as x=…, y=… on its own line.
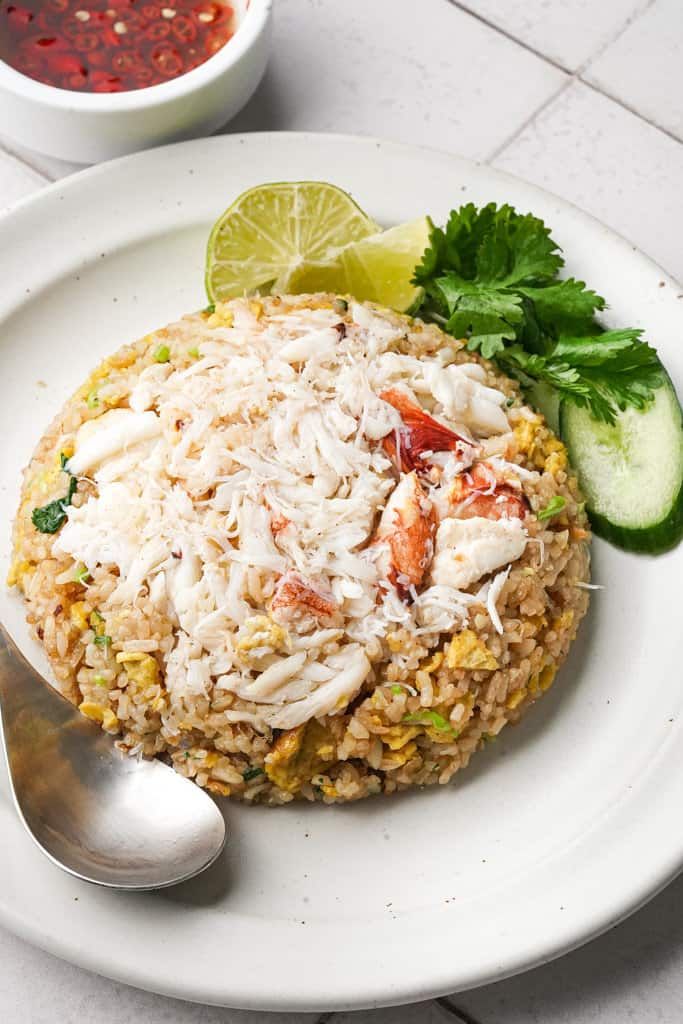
x=583, y=98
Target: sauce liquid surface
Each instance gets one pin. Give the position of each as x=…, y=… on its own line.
x=111, y=45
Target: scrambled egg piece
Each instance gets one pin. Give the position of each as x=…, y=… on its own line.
x=260, y=631
x=17, y=571
x=79, y=613
x=556, y=456
x=525, y=435
x=95, y=712
x=562, y=621
x=433, y=663
x=397, y=758
x=222, y=316
x=298, y=755
x=141, y=668
x=467, y=650
x=516, y=698
x=399, y=735
x=143, y=676
x=543, y=680
x=544, y=451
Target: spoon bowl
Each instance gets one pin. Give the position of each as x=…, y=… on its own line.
x=105, y=817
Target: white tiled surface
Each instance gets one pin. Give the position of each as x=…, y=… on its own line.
x=616, y=166
x=566, y=31
x=467, y=82
x=361, y=69
x=644, y=67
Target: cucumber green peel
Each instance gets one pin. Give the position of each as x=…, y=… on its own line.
x=631, y=472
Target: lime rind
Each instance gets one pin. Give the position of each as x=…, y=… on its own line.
x=271, y=230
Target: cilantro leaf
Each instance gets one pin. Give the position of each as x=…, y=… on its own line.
x=602, y=373
x=564, y=306
x=490, y=276
x=48, y=518
x=491, y=244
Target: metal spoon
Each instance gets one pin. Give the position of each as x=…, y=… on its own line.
x=98, y=814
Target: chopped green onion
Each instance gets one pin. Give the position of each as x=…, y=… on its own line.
x=162, y=354
x=82, y=575
x=396, y=689
x=99, y=680
x=431, y=718
x=510, y=402
x=194, y=352
x=553, y=508
x=103, y=641
x=92, y=401
x=251, y=773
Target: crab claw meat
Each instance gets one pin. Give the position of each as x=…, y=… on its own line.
x=479, y=492
x=407, y=528
x=296, y=597
x=411, y=444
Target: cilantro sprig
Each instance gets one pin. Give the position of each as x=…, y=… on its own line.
x=48, y=518
x=490, y=275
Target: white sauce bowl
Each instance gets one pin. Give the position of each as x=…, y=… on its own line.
x=89, y=127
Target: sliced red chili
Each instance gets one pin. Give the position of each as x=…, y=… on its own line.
x=215, y=41
x=133, y=43
x=124, y=61
x=86, y=41
x=158, y=30
x=167, y=60
x=183, y=29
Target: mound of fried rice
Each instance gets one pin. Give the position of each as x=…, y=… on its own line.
x=303, y=547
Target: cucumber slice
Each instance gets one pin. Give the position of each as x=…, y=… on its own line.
x=631, y=473
x=546, y=399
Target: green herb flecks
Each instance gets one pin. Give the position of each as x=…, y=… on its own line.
x=82, y=574
x=103, y=641
x=396, y=689
x=430, y=718
x=252, y=773
x=490, y=275
x=211, y=308
x=48, y=518
x=92, y=401
x=162, y=354
x=553, y=508
x=193, y=352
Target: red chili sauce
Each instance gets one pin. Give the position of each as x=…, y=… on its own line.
x=111, y=45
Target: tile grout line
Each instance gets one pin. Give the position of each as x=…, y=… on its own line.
x=502, y=146
x=638, y=13
x=508, y=35
x=631, y=110
x=572, y=76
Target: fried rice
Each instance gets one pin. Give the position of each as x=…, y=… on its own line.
x=302, y=547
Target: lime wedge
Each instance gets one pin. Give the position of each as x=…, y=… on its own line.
x=378, y=268
x=270, y=231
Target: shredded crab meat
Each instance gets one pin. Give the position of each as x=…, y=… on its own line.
x=298, y=492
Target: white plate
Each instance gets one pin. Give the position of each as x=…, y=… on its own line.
x=560, y=829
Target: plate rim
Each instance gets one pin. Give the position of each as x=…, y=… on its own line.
x=409, y=990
